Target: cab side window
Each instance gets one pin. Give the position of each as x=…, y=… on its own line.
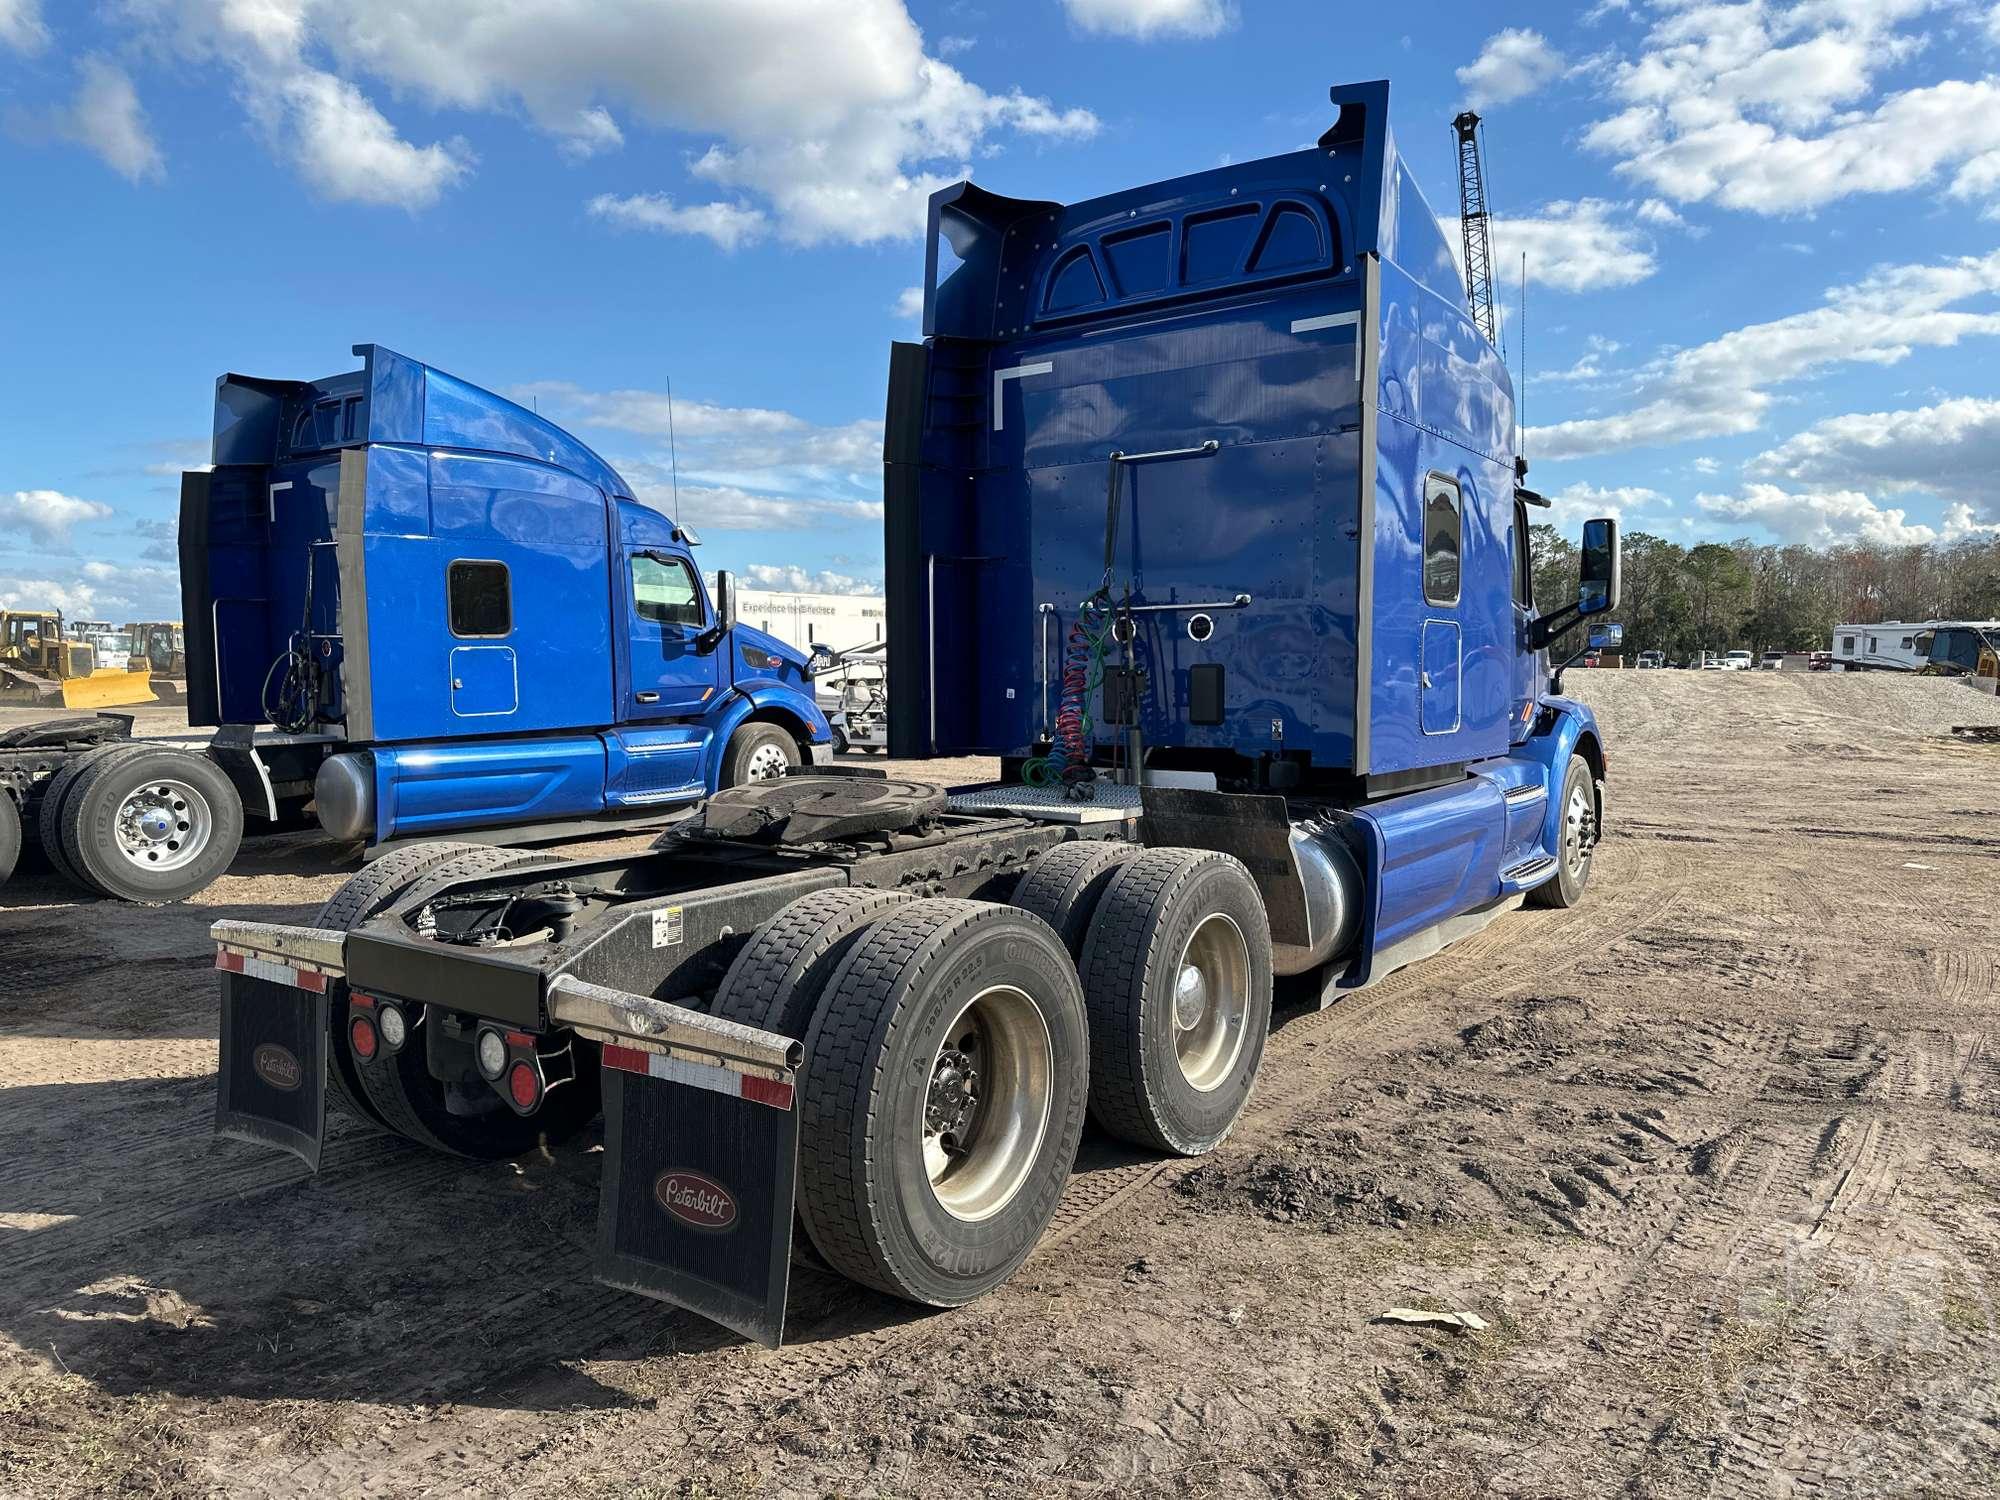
x=664, y=592
x=1443, y=539
x=481, y=598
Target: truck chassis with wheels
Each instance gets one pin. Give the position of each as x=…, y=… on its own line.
x=1201, y=516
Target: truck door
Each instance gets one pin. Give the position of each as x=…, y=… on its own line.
x=675, y=663
x=1442, y=645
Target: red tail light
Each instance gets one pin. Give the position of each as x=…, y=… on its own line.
x=361, y=1034
x=524, y=1086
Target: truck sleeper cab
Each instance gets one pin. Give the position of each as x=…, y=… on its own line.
x=466, y=610
x=1200, y=516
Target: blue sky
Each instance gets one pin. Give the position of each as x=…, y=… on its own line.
x=1763, y=251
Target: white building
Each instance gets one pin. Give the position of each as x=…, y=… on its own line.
x=842, y=621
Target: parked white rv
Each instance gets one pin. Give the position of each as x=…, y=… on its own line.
x=1890, y=646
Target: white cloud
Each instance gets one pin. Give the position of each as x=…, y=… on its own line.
x=791, y=579
x=1513, y=62
x=729, y=507
x=832, y=120
x=349, y=151
x=1767, y=108
x=909, y=302
x=1822, y=518
x=1653, y=211
x=1589, y=366
x=106, y=117
x=21, y=26
x=1577, y=503
x=1950, y=449
x=729, y=225
x=1576, y=247
x=72, y=596
x=1147, y=19
x=48, y=515
x=1724, y=386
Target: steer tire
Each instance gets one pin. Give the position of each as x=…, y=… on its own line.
x=365, y=895
x=414, y=1104
x=744, y=745
x=865, y=1192
x=1140, y=942
x=1064, y=886
x=90, y=823
x=1566, y=887
x=777, y=980
x=10, y=835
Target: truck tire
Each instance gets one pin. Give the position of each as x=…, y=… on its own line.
x=777, y=980
x=1177, y=973
x=418, y=1106
x=920, y=1173
x=48, y=821
x=1064, y=886
x=1577, y=836
x=839, y=740
x=758, y=752
x=10, y=835
x=151, y=825
x=361, y=897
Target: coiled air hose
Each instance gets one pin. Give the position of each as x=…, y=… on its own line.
x=1068, y=762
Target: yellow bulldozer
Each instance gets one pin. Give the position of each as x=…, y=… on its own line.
x=163, y=644
x=42, y=663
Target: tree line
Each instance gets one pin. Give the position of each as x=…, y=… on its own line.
x=1741, y=595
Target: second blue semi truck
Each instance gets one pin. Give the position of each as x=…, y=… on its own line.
x=422, y=609
x=1203, y=516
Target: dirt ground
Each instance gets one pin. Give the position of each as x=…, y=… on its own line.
x=1715, y=1156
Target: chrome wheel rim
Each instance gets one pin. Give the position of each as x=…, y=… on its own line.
x=767, y=763
x=1211, y=1002
x=1576, y=831
x=162, y=825
x=986, y=1103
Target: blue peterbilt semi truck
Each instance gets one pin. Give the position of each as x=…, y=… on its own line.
x=453, y=615
x=1203, y=515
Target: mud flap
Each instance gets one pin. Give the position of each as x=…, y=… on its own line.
x=272, y=1088
x=700, y=1175
x=1255, y=829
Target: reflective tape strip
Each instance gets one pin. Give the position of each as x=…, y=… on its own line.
x=1335, y=320
x=1014, y=372
x=250, y=966
x=710, y=1076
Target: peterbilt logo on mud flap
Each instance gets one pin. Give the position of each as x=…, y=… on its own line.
x=277, y=1067
x=697, y=1201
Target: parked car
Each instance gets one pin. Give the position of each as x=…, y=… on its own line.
x=1821, y=661
x=1738, y=661
x=1652, y=660
x=1773, y=661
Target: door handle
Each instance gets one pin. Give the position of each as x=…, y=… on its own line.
x=457, y=686
x=1424, y=679
x=647, y=697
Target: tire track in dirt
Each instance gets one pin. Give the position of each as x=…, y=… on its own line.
x=852, y=1329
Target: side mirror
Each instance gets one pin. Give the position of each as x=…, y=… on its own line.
x=1607, y=637
x=823, y=657
x=686, y=537
x=1598, y=591
x=725, y=600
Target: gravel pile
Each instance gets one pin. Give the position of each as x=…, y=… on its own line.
x=1856, y=705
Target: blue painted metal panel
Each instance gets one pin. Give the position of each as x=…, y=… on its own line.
x=429, y=788
x=548, y=528
x=1430, y=856
x=1438, y=689
x=485, y=682
x=671, y=763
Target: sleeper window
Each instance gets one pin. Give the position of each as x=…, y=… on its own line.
x=1441, y=539
x=664, y=592
x=481, y=599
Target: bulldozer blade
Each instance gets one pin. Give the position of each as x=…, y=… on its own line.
x=108, y=690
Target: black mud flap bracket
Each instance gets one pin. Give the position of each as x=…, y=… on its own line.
x=701, y=1149
x=271, y=1088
